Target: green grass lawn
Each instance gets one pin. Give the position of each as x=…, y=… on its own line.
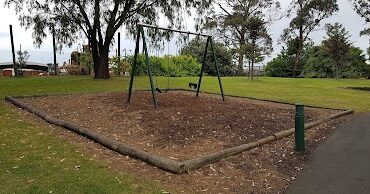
x=317, y=92
x=33, y=161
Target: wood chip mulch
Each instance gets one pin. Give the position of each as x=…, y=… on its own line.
x=184, y=127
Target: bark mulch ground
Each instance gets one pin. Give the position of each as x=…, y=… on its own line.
x=184, y=127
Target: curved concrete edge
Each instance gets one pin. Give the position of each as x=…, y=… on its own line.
x=155, y=160
x=196, y=163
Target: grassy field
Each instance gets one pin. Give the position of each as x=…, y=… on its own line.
x=33, y=161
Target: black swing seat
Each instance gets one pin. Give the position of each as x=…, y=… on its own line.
x=158, y=90
x=193, y=86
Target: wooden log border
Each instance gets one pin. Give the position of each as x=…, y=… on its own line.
x=174, y=90
x=159, y=161
x=217, y=156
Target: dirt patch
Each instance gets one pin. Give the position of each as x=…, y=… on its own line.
x=268, y=169
x=360, y=88
x=183, y=126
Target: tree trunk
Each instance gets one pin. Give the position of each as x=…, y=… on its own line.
x=249, y=68
x=297, y=63
x=100, y=56
x=102, y=66
x=253, y=57
x=337, y=69
x=241, y=55
x=252, y=71
x=240, y=64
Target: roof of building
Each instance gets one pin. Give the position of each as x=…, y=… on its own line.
x=29, y=65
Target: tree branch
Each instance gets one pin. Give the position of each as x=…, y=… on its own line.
x=79, y=23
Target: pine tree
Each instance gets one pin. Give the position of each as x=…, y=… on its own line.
x=337, y=45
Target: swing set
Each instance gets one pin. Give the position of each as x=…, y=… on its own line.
x=141, y=35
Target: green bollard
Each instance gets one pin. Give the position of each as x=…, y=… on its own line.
x=299, y=128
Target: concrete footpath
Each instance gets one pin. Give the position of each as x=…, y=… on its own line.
x=341, y=164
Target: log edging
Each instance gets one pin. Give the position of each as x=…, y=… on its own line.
x=174, y=90
x=198, y=162
x=159, y=161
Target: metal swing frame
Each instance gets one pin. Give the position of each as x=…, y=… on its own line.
x=141, y=34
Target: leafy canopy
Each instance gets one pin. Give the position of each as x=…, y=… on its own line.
x=362, y=7
x=196, y=48
x=336, y=44
x=97, y=19
x=238, y=22
x=307, y=17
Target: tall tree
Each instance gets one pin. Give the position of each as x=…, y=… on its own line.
x=307, y=17
x=261, y=42
x=281, y=66
x=196, y=47
x=362, y=7
x=97, y=20
x=231, y=19
x=336, y=45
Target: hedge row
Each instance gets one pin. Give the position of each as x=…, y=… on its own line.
x=173, y=66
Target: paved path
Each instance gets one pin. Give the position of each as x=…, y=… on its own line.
x=341, y=164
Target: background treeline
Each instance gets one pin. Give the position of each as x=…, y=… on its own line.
x=173, y=66
x=241, y=26
x=243, y=42
x=317, y=64
x=187, y=63
x=335, y=57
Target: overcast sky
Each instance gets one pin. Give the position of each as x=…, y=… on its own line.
x=351, y=21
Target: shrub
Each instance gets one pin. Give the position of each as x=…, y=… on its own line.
x=173, y=66
x=279, y=67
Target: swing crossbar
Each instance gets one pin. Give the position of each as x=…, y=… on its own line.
x=141, y=35
x=174, y=30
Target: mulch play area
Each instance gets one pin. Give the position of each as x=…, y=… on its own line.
x=185, y=127
x=182, y=127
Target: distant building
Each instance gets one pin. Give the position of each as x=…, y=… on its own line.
x=30, y=69
x=80, y=63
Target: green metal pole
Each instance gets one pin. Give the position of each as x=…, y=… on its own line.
x=203, y=64
x=218, y=72
x=149, y=70
x=299, y=128
x=135, y=63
